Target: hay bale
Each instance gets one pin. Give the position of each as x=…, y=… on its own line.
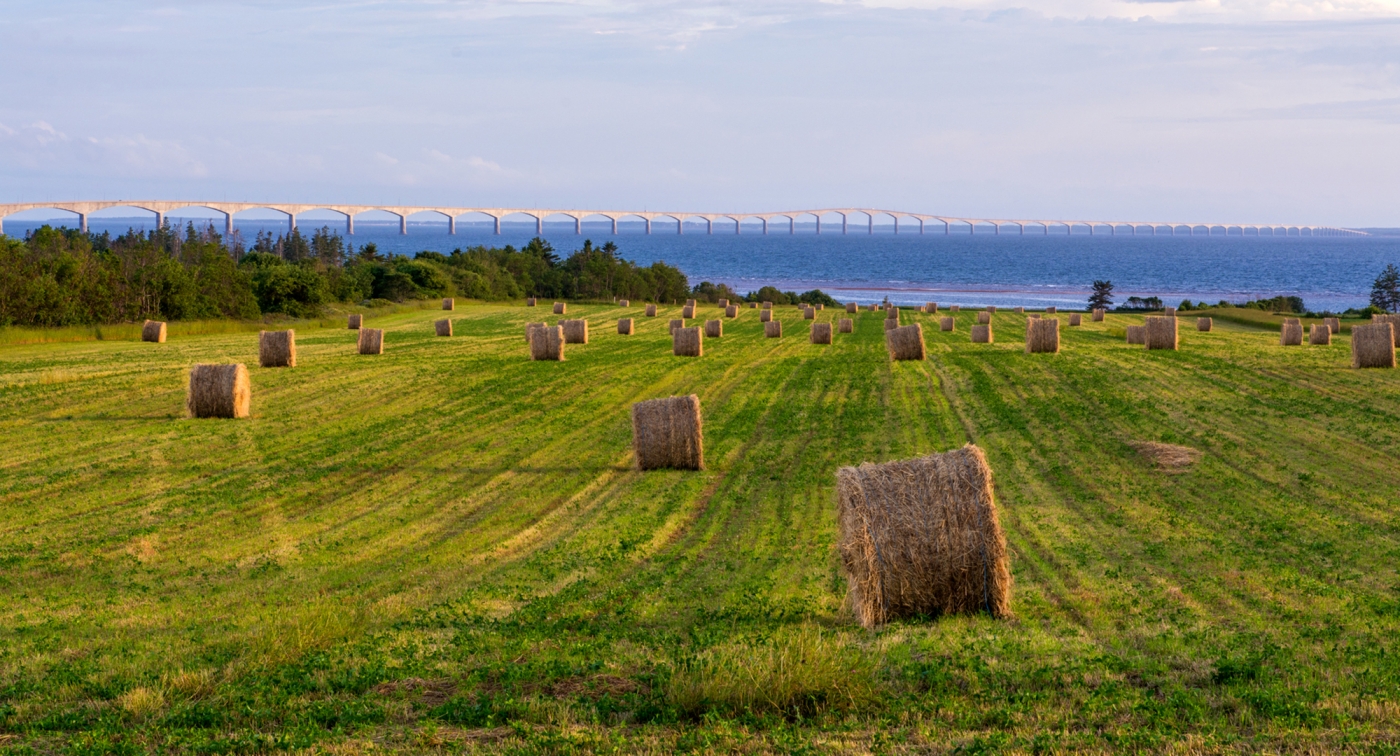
x=732, y=311
x=723, y=303
x=890, y=325
x=945, y=323
x=874, y=308
x=992, y=309
x=765, y=316
x=891, y=313
x=355, y=322
x=675, y=324
x=218, y=391
x=922, y=537
x=371, y=341
x=1034, y=316
x=846, y=325
x=688, y=342
x=1204, y=324
x=688, y=311
x=955, y=308
x=931, y=308
x=575, y=331
x=1018, y=310
x=1292, y=321
x=1373, y=346
x=767, y=305
x=820, y=306
x=1043, y=336
x=1051, y=310
x=153, y=331
x=666, y=433
x=547, y=343
x=624, y=326
x=1137, y=334
x=651, y=311
x=449, y=304
x=1170, y=312
x=560, y=308
x=821, y=333
x=982, y=334
x=852, y=308
x=773, y=329
x=905, y=342
x=984, y=318
x=624, y=303
x=1320, y=335
x=809, y=314
x=1393, y=320
x=443, y=327
x=529, y=301
x=753, y=305
x=1334, y=324
x=1097, y=315
x=714, y=329
x=1290, y=334
x=1161, y=332
x=690, y=303
x=1075, y=319
x=277, y=348
x=528, y=327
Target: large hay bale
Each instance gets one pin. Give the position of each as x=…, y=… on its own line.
x=1205, y=324
x=922, y=537
x=955, y=308
x=371, y=341
x=930, y=308
x=688, y=311
x=1320, y=335
x=1290, y=334
x=218, y=391
x=688, y=342
x=1043, y=336
x=984, y=317
x=547, y=343
x=530, y=302
x=1161, y=332
x=731, y=311
x=905, y=342
x=982, y=334
x=1076, y=319
x=765, y=316
x=575, y=331
x=714, y=329
x=1393, y=320
x=624, y=303
x=821, y=333
x=560, y=308
x=1335, y=324
x=443, y=327
x=1137, y=334
x=809, y=314
x=1373, y=346
x=892, y=313
x=153, y=331
x=1051, y=310
x=354, y=322
x=846, y=325
x=723, y=303
x=890, y=325
x=945, y=323
x=667, y=433
x=675, y=324
x=529, y=327
x=277, y=348
x=624, y=326
x=1097, y=315
x=773, y=329
x=651, y=311
x=767, y=305
x=852, y=307
x=449, y=304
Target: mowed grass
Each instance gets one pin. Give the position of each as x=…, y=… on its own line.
x=446, y=547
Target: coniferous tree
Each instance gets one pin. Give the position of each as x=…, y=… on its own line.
x=1102, y=296
x=1385, y=291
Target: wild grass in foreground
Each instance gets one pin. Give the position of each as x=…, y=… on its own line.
x=447, y=548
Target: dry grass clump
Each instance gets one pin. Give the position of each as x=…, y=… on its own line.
x=142, y=702
x=443, y=327
x=688, y=342
x=732, y=311
x=547, y=343
x=688, y=311
x=575, y=331
x=1205, y=324
x=1137, y=334
x=852, y=307
x=1335, y=324
x=218, y=391
x=982, y=334
x=154, y=331
x=773, y=329
x=371, y=341
x=1290, y=334
x=984, y=317
x=1169, y=457
x=1161, y=332
x=922, y=537
x=651, y=311
x=1373, y=346
x=354, y=322
x=530, y=302
x=277, y=348
x=765, y=316
x=667, y=433
x=624, y=326
x=846, y=325
x=945, y=323
x=1097, y=315
x=560, y=308
x=905, y=342
x=1393, y=320
x=449, y=303
x=1320, y=335
x=1076, y=319
x=714, y=329
x=821, y=333
x=1043, y=336
x=624, y=303
x=529, y=327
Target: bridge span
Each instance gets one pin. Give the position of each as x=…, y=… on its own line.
x=785, y=220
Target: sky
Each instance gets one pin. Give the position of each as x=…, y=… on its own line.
x=1242, y=111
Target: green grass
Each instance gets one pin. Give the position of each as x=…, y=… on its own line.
x=446, y=548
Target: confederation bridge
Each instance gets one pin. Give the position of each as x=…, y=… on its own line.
x=784, y=221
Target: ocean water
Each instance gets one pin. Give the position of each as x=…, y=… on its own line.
x=1034, y=270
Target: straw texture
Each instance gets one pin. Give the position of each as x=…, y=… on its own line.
x=1320, y=335
x=982, y=334
x=1335, y=324
x=530, y=302
x=371, y=341
x=1043, y=336
x=651, y=311
x=773, y=329
x=1076, y=319
x=688, y=342
x=624, y=303
x=218, y=391
x=905, y=342
x=449, y=304
x=547, y=343
x=821, y=333
x=1393, y=320
x=688, y=311
x=1373, y=346
x=852, y=307
x=1137, y=334
x=1097, y=315
x=732, y=311
x=624, y=326
x=575, y=331
x=846, y=325
x=560, y=308
x=153, y=331
x=714, y=329
x=1290, y=334
x=984, y=318
x=277, y=348
x=891, y=313
x=667, y=433
x=1161, y=332
x=443, y=327
x=890, y=325
x=528, y=327
x=1204, y=324
x=765, y=315
x=354, y=322
x=945, y=323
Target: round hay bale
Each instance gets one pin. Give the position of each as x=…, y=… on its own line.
x=153, y=331
x=773, y=329
x=667, y=434
x=846, y=325
x=874, y=307
x=1373, y=346
x=371, y=341
x=1290, y=334
x=922, y=537
x=1335, y=324
x=1393, y=320
x=547, y=343
x=449, y=304
x=688, y=311
x=1292, y=321
x=982, y=333
x=1051, y=310
x=277, y=348
x=560, y=308
x=675, y=324
x=955, y=308
x=443, y=327
x=753, y=305
x=354, y=322
x=809, y=314
x=651, y=311
x=722, y=303
x=1034, y=316
x=821, y=333
x=931, y=308
x=1018, y=310
x=529, y=327
x=688, y=342
x=1170, y=312
x=575, y=331
x=624, y=326
x=984, y=318
x=731, y=311
x=1075, y=319
x=714, y=329
x=624, y=303
x=1137, y=334
x=820, y=306
x=765, y=316
x=767, y=305
x=890, y=325
x=218, y=391
x=690, y=303
x=530, y=302
x=945, y=323
x=1097, y=315
x=905, y=342
x=1161, y=332
x=891, y=313
x=1320, y=335
x=1205, y=324
x=852, y=308
x=992, y=309
x=1043, y=336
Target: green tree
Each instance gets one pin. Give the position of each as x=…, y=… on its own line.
x=1102, y=296
x=1385, y=290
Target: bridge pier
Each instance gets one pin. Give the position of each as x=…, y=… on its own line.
x=843, y=223
x=819, y=225
x=765, y=226
x=228, y=224
x=896, y=225
x=291, y=222
x=648, y=220
x=497, y=219
x=578, y=225
x=792, y=225
x=451, y=225
x=82, y=222
x=349, y=224
x=614, y=224
x=869, y=224
x=709, y=226
x=160, y=219
x=539, y=225
x=403, y=225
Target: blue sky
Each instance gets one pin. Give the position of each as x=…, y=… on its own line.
x=1250, y=111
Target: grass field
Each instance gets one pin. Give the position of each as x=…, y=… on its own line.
x=446, y=548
